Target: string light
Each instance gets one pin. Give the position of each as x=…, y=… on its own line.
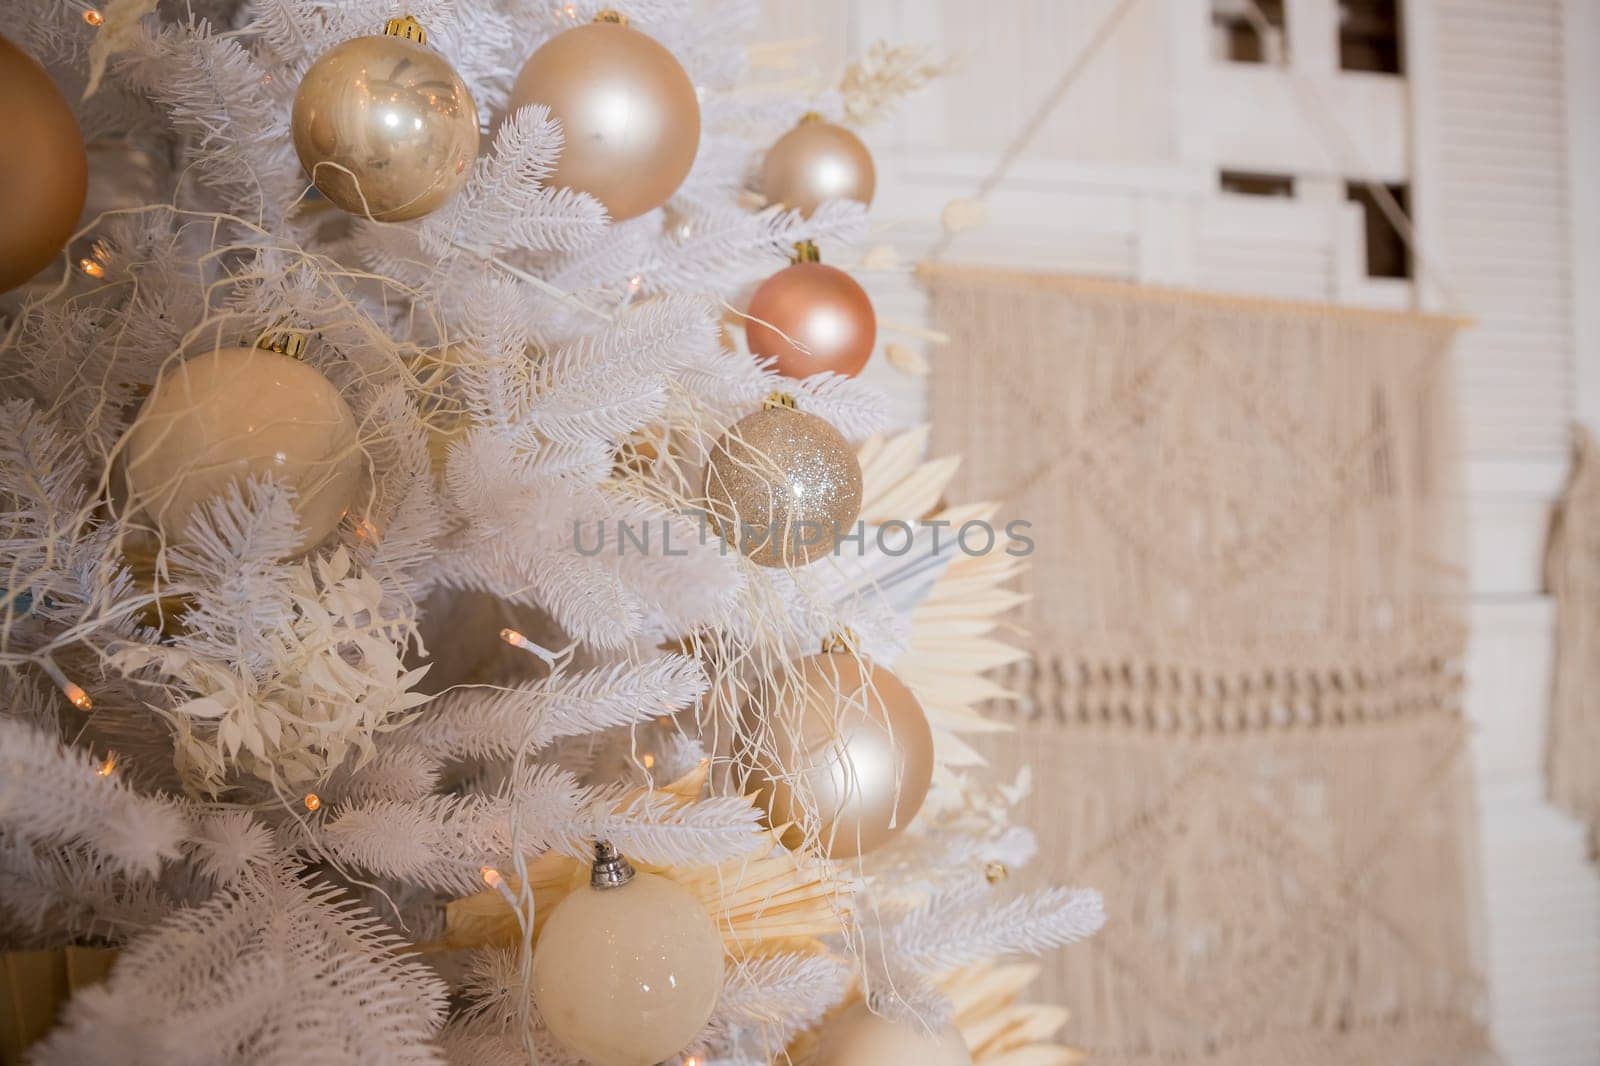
x=105, y=768
x=648, y=760
x=635, y=282
x=491, y=876
x=313, y=801
x=70, y=689
x=91, y=268
x=366, y=530
x=94, y=18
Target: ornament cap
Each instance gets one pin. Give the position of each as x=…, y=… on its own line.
x=778, y=398
x=806, y=252
x=407, y=27
x=609, y=15
x=610, y=869
x=840, y=642
x=811, y=116
x=290, y=342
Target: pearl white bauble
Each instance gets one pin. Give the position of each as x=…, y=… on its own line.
x=860, y=1038
x=221, y=418
x=628, y=975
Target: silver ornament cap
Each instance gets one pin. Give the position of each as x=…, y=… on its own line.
x=610, y=869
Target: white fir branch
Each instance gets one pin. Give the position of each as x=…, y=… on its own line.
x=773, y=997
x=51, y=794
x=486, y=724
x=947, y=933
x=274, y=973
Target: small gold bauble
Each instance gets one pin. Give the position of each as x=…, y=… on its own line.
x=237, y=413
x=815, y=162
x=841, y=751
x=782, y=486
x=44, y=174
x=629, y=112
x=628, y=974
x=384, y=125
x=810, y=318
x=860, y=1038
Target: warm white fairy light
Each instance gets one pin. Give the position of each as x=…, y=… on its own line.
x=94, y=18
x=313, y=802
x=106, y=768
x=70, y=689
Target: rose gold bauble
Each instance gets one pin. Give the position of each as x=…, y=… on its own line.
x=44, y=173
x=237, y=413
x=841, y=750
x=812, y=318
x=629, y=112
x=782, y=486
x=815, y=162
x=860, y=1038
x=384, y=125
x=628, y=975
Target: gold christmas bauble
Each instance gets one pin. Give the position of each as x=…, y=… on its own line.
x=44, y=174
x=840, y=750
x=628, y=974
x=810, y=318
x=237, y=413
x=384, y=125
x=629, y=112
x=782, y=486
x=860, y=1038
x=815, y=162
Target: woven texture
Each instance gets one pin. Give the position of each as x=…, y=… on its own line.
x=1243, y=707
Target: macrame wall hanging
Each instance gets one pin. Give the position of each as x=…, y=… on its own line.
x=1243, y=709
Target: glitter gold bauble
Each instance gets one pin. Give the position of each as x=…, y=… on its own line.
x=44, y=174
x=237, y=413
x=811, y=318
x=385, y=126
x=860, y=1038
x=840, y=750
x=782, y=486
x=628, y=110
x=627, y=970
x=815, y=162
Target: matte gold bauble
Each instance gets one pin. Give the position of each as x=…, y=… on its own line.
x=629, y=112
x=782, y=486
x=815, y=162
x=44, y=172
x=841, y=751
x=627, y=970
x=384, y=125
x=860, y=1038
x=812, y=318
x=237, y=413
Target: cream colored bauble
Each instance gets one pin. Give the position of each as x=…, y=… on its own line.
x=627, y=971
x=384, y=125
x=237, y=413
x=840, y=752
x=860, y=1038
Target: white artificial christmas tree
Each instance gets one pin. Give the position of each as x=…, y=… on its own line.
x=325, y=801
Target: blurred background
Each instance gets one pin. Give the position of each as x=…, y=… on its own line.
x=1427, y=155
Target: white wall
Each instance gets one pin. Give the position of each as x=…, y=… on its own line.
x=1494, y=126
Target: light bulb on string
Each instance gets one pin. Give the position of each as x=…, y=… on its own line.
x=94, y=18
x=313, y=802
x=106, y=768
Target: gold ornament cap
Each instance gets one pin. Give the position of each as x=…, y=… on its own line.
x=777, y=399
x=407, y=27
x=806, y=252
x=608, y=15
x=290, y=342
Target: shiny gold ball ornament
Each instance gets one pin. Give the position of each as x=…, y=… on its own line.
x=840, y=751
x=815, y=162
x=628, y=970
x=44, y=174
x=629, y=112
x=385, y=126
x=860, y=1038
x=236, y=413
x=811, y=317
x=783, y=486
